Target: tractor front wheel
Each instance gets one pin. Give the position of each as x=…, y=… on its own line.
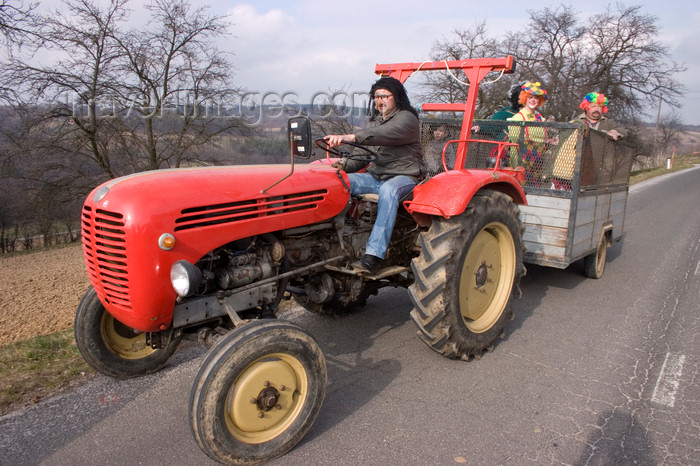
x=257, y=392
x=113, y=348
x=468, y=271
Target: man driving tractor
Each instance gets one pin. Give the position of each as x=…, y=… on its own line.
x=394, y=127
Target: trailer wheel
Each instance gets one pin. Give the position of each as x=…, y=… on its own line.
x=594, y=264
x=257, y=393
x=112, y=348
x=468, y=271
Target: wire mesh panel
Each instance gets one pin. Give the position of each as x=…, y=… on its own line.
x=484, y=150
x=604, y=161
x=555, y=156
x=435, y=135
x=547, y=151
x=440, y=136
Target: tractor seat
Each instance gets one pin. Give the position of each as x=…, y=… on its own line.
x=371, y=197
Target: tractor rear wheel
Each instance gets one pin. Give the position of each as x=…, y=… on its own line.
x=113, y=348
x=257, y=393
x=466, y=276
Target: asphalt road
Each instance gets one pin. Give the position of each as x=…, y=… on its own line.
x=589, y=372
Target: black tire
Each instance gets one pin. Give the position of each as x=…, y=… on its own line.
x=263, y=361
x=112, y=348
x=594, y=264
x=466, y=276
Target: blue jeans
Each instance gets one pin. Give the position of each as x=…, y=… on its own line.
x=390, y=192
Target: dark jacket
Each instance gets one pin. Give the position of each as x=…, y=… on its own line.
x=604, y=124
x=398, y=138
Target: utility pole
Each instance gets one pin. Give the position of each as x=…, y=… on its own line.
x=658, y=119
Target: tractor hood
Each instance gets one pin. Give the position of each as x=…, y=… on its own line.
x=223, y=203
x=125, y=220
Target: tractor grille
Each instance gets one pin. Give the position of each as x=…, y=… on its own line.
x=197, y=217
x=104, y=248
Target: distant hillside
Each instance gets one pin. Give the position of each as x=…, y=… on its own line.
x=690, y=141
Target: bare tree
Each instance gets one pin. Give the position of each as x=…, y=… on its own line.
x=550, y=53
x=93, y=100
x=72, y=87
x=669, y=132
x=11, y=209
x=627, y=63
x=125, y=100
x=177, y=79
x=14, y=17
x=616, y=52
x=451, y=86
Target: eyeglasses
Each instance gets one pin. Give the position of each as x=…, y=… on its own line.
x=382, y=96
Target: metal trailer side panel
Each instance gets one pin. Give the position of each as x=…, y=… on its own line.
x=618, y=205
x=596, y=212
x=592, y=215
x=552, y=240
x=546, y=220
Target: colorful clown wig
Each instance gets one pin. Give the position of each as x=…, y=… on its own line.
x=594, y=98
x=532, y=89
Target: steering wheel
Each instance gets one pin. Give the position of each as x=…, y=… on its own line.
x=368, y=154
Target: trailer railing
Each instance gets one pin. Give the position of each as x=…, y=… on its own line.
x=555, y=156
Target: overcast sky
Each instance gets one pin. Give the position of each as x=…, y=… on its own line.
x=309, y=46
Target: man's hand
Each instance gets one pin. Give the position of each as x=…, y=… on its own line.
x=338, y=139
x=614, y=134
x=339, y=164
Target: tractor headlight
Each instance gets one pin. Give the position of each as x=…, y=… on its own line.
x=185, y=278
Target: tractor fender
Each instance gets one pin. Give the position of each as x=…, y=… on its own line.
x=448, y=194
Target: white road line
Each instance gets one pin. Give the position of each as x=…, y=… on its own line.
x=697, y=269
x=669, y=379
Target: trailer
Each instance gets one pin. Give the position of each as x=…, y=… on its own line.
x=576, y=181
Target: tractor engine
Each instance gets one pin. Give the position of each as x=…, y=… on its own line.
x=309, y=264
x=244, y=268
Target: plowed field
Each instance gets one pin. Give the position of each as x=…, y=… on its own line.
x=39, y=292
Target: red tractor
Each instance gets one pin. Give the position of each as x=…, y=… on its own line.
x=208, y=253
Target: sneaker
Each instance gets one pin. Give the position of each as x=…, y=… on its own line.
x=368, y=263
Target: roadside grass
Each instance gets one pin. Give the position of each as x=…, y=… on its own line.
x=34, y=369
x=679, y=163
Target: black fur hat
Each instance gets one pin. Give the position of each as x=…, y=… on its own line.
x=514, y=96
x=397, y=89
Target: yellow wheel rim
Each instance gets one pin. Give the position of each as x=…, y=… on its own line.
x=601, y=256
x=266, y=398
x=122, y=340
x=487, y=277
